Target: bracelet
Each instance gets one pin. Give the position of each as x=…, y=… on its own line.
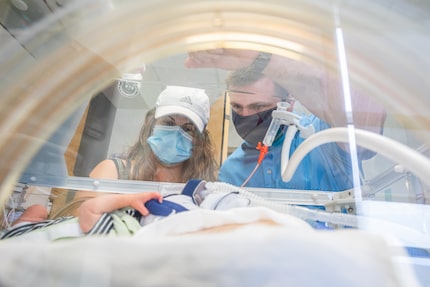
x=260, y=62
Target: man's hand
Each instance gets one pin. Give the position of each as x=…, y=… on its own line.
x=227, y=59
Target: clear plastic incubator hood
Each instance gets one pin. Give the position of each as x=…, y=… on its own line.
x=78, y=77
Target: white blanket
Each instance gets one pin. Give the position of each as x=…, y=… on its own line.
x=170, y=253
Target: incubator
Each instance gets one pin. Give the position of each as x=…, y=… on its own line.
x=78, y=77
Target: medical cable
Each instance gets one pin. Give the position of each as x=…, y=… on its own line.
x=342, y=219
x=263, y=151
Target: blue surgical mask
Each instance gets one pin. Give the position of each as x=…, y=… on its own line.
x=171, y=144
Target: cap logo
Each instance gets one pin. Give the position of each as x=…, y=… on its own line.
x=186, y=99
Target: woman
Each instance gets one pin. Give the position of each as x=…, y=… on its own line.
x=174, y=144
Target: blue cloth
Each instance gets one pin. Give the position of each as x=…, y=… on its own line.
x=164, y=208
x=326, y=168
x=171, y=204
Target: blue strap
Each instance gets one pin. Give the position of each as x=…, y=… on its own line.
x=191, y=186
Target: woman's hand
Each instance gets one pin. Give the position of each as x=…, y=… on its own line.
x=91, y=210
x=138, y=201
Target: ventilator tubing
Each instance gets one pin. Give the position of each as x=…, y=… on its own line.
x=408, y=236
x=409, y=158
x=300, y=212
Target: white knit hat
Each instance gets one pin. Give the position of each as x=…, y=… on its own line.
x=190, y=102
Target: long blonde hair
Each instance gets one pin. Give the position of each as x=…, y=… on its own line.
x=201, y=164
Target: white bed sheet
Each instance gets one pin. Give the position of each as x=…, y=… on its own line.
x=165, y=254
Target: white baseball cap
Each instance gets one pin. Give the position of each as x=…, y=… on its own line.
x=190, y=102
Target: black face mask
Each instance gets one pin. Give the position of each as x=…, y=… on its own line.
x=253, y=128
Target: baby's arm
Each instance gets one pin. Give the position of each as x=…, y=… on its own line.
x=91, y=210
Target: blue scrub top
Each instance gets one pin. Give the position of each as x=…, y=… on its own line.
x=326, y=168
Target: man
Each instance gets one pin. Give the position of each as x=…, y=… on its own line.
x=259, y=82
